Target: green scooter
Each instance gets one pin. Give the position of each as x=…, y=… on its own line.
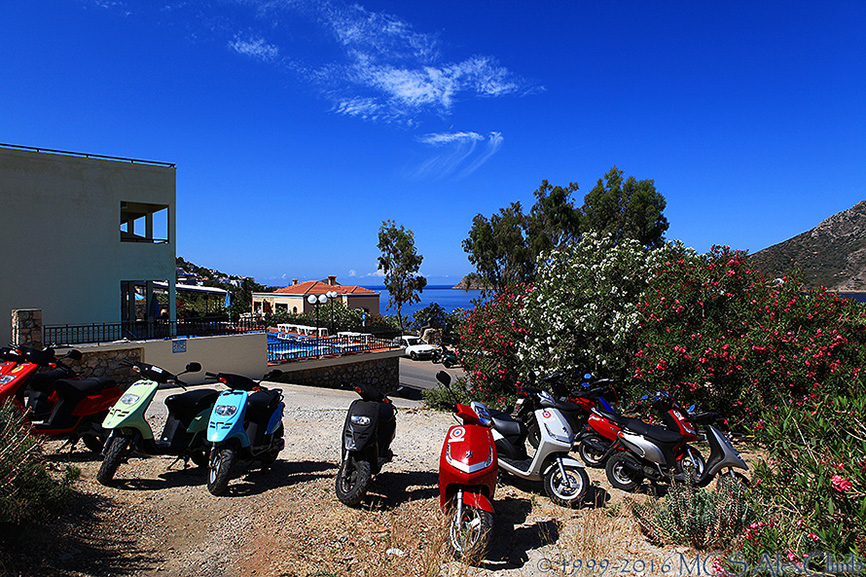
x=185, y=428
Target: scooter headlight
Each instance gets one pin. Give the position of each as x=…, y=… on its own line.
x=362, y=420
x=225, y=410
x=129, y=399
x=561, y=437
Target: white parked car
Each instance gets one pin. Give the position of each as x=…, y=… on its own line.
x=416, y=348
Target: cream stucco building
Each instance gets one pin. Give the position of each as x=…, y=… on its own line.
x=81, y=234
x=293, y=299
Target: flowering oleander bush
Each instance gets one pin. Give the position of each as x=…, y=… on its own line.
x=716, y=333
x=813, y=482
x=489, y=338
x=583, y=313
x=780, y=360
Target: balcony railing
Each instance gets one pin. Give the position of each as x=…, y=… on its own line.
x=58, y=335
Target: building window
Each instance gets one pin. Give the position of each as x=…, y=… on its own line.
x=143, y=222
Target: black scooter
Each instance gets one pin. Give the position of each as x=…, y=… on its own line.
x=367, y=435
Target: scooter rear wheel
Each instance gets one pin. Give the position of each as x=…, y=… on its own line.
x=219, y=471
x=94, y=443
x=590, y=456
x=471, y=535
x=353, y=478
x=271, y=456
x=199, y=458
x=115, y=452
x=567, y=491
x=620, y=475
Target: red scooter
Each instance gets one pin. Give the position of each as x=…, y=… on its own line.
x=18, y=371
x=603, y=427
x=468, y=468
x=58, y=404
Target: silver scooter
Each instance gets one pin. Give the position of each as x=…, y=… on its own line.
x=658, y=455
x=565, y=480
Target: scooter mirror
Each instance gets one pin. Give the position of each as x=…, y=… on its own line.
x=74, y=354
x=645, y=397
x=692, y=409
x=193, y=367
x=443, y=378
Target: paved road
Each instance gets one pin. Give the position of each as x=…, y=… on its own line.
x=422, y=374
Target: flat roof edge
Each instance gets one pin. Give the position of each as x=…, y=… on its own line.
x=86, y=155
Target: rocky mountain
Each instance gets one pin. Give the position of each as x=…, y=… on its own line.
x=833, y=254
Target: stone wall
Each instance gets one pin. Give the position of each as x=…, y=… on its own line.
x=106, y=363
x=383, y=372
x=27, y=327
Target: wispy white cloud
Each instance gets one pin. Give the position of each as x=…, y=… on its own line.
x=255, y=47
x=458, y=153
x=383, y=69
x=439, y=138
x=369, y=65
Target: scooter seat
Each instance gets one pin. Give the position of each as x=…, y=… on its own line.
x=641, y=428
x=44, y=382
x=505, y=424
x=262, y=404
x=71, y=390
x=655, y=433
x=191, y=401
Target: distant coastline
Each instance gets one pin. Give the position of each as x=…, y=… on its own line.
x=445, y=296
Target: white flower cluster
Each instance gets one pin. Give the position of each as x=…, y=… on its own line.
x=584, y=306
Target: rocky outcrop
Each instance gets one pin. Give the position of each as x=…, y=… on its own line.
x=833, y=254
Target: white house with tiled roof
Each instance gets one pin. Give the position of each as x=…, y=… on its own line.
x=293, y=298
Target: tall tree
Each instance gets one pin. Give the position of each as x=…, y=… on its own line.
x=626, y=209
x=498, y=249
x=400, y=262
x=504, y=248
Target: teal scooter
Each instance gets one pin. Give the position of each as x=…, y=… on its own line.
x=129, y=432
x=246, y=424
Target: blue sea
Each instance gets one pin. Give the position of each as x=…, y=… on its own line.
x=446, y=297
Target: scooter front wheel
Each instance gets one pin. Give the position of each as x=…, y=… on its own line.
x=353, y=478
x=470, y=533
x=567, y=491
x=115, y=452
x=219, y=471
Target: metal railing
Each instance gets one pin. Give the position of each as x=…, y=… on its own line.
x=144, y=330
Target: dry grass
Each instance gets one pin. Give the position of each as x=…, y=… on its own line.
x=599, y=540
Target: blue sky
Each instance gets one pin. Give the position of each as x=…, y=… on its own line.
x=298, y=126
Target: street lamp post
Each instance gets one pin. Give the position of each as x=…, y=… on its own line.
x=316, y=301
x=331, y=296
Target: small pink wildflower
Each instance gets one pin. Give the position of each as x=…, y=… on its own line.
x=840, y=484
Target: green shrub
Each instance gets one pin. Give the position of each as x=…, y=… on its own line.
x=813, y=481
x=26, y=487
x=700, y=518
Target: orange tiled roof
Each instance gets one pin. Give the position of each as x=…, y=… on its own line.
x=316, y=287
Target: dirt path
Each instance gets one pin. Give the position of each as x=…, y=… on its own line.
x=160, y=520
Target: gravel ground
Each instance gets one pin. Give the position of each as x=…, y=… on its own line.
x=159, y=519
